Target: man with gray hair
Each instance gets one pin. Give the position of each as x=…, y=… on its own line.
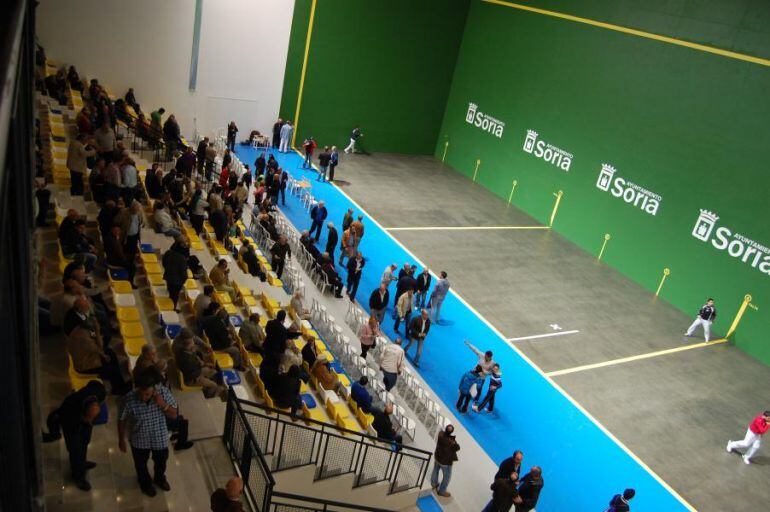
x=438, y=296
x=332, y=238
x=391, y=362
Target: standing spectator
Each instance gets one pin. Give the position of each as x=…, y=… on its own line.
x=77, y=156
x=495, y=383
x=232, y=133
x=706, y=316
x=529, y=489
x=129, y=180
x=504, y=494
x=438, y=296
x=387, y=275
x=348, y=245
x=445, y=456
x=284, y=184
x=405, y=283
x=354, y=136
x=309, y=146
x=260, y=164
x=130, y=100
x=116, y=255
x=510, y=465
x=404, y=307
x=156, y=116
x=277, y=133
x=486, y=362
x=391, y=362
x=200, y=154
x=467, y=382
x=332, y=238
x=186, y=163
x=175, y=269
x=280, y=251
x=619, y=502
x=355, y=268
x=418, y=329
x=334, y=160
x=384, y=426
x=422, y=287
x=753, y=439
x=358, y=224
x=347, y=219
x=323, y=163
x=105, y=141
x=43, y=197
x=368, y=335
x=318, y=215
x=198, y=207
x=211, y=157
x=133, y=227
x=287, y=130
x=74, y=418
x=147, y=410
x=378, y=301
x=229, y=498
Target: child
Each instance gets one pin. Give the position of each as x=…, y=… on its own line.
x=466, y=384
x=495, y=383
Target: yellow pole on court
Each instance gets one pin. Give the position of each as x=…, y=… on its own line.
x=555, y=207
x=604, y=244
x=746, y=303
x=666, y=272
x=476, y=170
x=446, y=146
x=304, y=70
x=513, y=187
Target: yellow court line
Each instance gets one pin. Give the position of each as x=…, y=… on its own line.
x=523, y=356
x=624, y=360
x=634, y=32
x=462, y=228
x=304, y=69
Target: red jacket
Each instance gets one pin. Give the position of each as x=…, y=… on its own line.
x=223, y=177
x=759, y=426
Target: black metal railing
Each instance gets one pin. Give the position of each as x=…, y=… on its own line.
x=333, y=450
x=285, y=502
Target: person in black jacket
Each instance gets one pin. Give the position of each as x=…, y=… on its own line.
x=285, y=393
x=75, y=417
x=421, y=288
x=510, y=465
x=619, y=502
x=276, y=336
x=116, y=256
x=252, y=262
x=277, y=133
x=175, y=269
x=232, y=133
x=216, y=327
x=504, y=494
x=529, y=490
x=355, y=267
x=280, y=251
x=384, y=427
x=200, y=154
x=332, y=239
x=378, y=301
x=405, y=283
x=259, y=165
x=323, y=163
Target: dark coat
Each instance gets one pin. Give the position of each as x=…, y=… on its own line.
x=446, y=449
x=331, y=240
x=375, y=302
x=174, y=266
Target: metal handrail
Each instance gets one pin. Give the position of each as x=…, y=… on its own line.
x=325, y=503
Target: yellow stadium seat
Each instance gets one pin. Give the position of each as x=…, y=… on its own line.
x=244, y=291
x=191, y=284
x=121, y=287
x=224, y=360
x=230, y=308
x=316, y=413
x=155, y=279
x=255, y=359
x=128, y=314
x=363, y=418
x=131, y=329
x=153, y=268
x=344, y=380
x=148, y=257
x=77, y=379
x=164, y=304
x=185, y=387
x=223, y=298
x=133, y=346
x=249, y=301
x=346, y=422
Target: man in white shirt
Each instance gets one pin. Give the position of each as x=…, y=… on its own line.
x=387, y=274
x=391, y=362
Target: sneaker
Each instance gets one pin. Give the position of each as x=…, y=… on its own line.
x=83, y=484
x=444, y=494
x=745, y=460
x=149, y=490
x=178, y=447
x=729, y=450
x=163, y=484
x=475, y=408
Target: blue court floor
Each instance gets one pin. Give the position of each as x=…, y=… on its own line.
x=583, y=467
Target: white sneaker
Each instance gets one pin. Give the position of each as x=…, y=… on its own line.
x=745, y=460
x=729, y=450
x=475, y=408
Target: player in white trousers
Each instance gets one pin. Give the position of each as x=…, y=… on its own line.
x=705, y=318
x=753, y=439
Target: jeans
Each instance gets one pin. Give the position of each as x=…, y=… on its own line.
x=463, y=401
x=417, y=356
x=435, y=305
x=389, y=379
x=308, y=161
x=407, y=317
x=316, y=227
x=173, y=291
x=159, y=458
x=277, y=264
x=353, y=280
x=419, y=300
x=77, y=439
x=447, y=476
x=331, y=171
x=488, y=400
x=322, y=173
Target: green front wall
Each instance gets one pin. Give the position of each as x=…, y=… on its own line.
x=386, y=66
x=687, y=125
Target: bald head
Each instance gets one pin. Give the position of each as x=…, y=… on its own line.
x=234, y=488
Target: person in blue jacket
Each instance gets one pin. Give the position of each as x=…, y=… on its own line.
x=466, y=384
x=318, y=215
x=361, y=395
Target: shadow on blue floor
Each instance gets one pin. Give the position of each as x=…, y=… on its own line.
x=582, y=466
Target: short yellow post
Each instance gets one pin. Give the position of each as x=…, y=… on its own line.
x=604, y=244
x=555, y=207
x=666, y=272
x=446, y=147
x=476, y=170
x=513, y=187
x=746, y=303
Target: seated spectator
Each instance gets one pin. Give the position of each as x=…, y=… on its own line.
x=290, y=357
x=202, y=301
x=149, y=358
x=334, y=279
x=220, y=277
x=130, y=100
x=286, y=392
x=164, y=223
x=299, y=309
x=360, y=394
x=229, y=498
x=74, y=241
x=249, y=257
x=217, y=327
x=198, y=207
x=116, y=255
x=327, y=379
x=89, y=356
x=195, y=370
x=204, y=351
x=384, y=427
x=252, y=334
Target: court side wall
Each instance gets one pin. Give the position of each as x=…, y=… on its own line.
x=650, y=142
x=385, y=66
x=147, y=45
